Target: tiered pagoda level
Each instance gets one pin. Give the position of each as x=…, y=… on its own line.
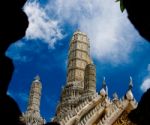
x=80, y=104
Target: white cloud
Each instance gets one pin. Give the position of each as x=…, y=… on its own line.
x=145, y=85
x=146, y=82
x=40, y=25
x=111, y=34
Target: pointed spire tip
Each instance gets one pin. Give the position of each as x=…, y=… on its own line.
x=130, y=78
x=104, y=78
x=37, y=77
x=130, y=83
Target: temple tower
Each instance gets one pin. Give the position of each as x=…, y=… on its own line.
x=78, y=57
x=32, y=115
x=80, y=68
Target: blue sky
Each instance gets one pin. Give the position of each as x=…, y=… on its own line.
x=117, y=49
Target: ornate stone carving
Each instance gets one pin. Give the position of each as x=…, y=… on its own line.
x=123, y=119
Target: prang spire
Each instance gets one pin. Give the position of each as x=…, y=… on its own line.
x=32, y=115
x=78, y=57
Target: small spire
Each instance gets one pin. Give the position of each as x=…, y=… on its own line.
x=106, y=90
x=104, y=78
x=37, y=78
x=115, y=96
x=104, y=83
x=131, y=83
x=130, y=78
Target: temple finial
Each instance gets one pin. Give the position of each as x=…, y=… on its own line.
x=104, y=86
x=130, y=78
x=104, y=83
x=37, y=77
x=131, y=83
x=104, y=78
x=115, y=96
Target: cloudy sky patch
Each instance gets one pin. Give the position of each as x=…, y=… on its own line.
x=109, y=30
x=41, y=26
